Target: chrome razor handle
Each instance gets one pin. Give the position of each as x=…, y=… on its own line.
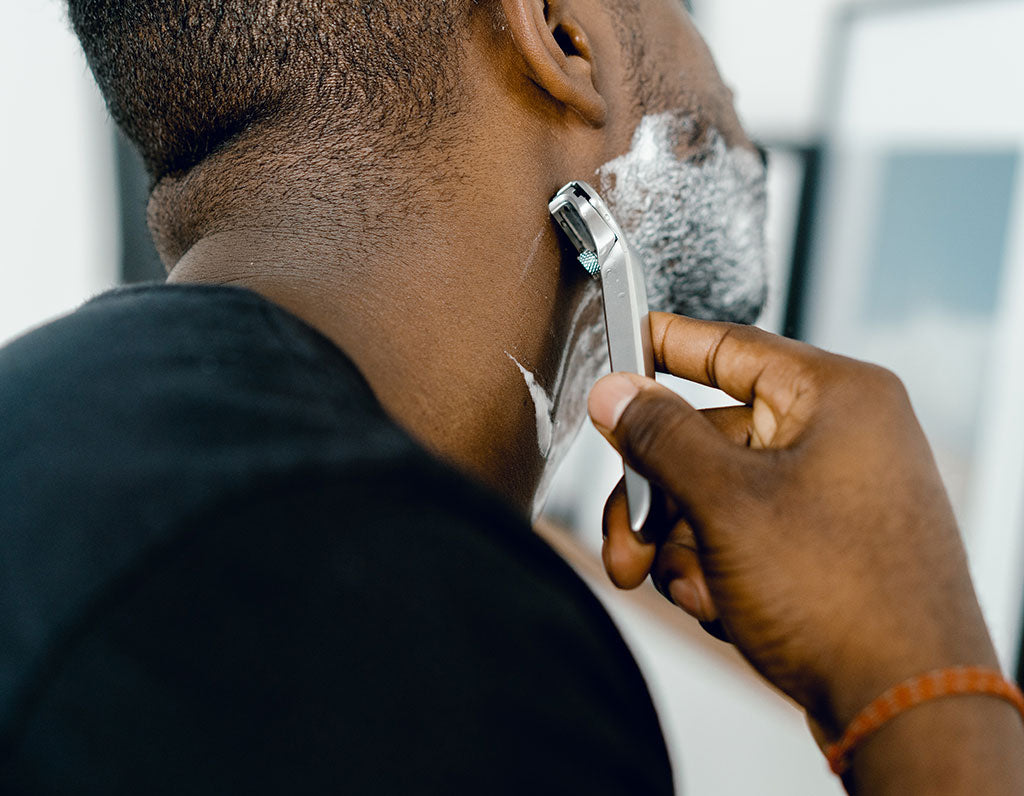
x=629, y=346
x=607, y=256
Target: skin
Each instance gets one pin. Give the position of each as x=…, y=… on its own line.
x=428, y=300
x=813, y=524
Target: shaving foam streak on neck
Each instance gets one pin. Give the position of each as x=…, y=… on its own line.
x=542, y=405
x=559, y=413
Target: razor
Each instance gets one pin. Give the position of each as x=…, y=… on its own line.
x=608, y=257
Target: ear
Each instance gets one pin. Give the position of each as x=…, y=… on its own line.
x=558, y=54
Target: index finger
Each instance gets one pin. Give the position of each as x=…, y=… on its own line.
x=730, y=357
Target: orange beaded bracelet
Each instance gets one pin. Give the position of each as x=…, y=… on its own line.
x=944, y=682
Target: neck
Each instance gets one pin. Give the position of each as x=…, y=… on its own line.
x=445, y=317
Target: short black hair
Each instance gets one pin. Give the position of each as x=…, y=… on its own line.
x=184, y=78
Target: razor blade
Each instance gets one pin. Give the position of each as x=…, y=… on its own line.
x=607, y=256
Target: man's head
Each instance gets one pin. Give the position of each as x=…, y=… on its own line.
x=376, y=81
x=382, y=168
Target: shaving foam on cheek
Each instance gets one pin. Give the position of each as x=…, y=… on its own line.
x=698, y=223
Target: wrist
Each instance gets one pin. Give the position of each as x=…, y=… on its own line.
x=862, y=678
x=962, y=744
x=944, y=683
x=847, y=702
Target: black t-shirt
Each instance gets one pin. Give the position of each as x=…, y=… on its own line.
x=223, y=569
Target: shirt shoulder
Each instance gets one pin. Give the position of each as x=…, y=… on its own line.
x=373, y=632
x=124, y=419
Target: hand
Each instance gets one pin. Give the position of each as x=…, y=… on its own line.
x=811, y=521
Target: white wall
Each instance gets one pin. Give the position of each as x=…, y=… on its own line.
x=58, y=216
x=774, y=55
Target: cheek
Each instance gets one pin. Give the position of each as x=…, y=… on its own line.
x=697, y=223
x=680, y=66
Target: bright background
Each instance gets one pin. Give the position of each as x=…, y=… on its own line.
x=896, y=131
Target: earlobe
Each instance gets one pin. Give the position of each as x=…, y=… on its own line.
x=558, y=53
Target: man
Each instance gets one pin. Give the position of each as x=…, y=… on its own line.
x=222, y=547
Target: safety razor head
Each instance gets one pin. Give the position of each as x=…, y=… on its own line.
x=586, y=222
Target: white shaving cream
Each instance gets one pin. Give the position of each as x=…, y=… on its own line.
x=542, y=406
x=698, y=224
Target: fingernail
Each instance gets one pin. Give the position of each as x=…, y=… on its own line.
x=684, y=594
x=609, y=399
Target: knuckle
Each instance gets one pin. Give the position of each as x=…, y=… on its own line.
x=710, y=361
x=733, y=335
x=852, y=382
x=807, y=379
x=885, y=384
x=799, y=382
x=660, y=343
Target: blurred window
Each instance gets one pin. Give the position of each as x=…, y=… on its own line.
x=941, y=234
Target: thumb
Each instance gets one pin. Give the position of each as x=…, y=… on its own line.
x=666, y=440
